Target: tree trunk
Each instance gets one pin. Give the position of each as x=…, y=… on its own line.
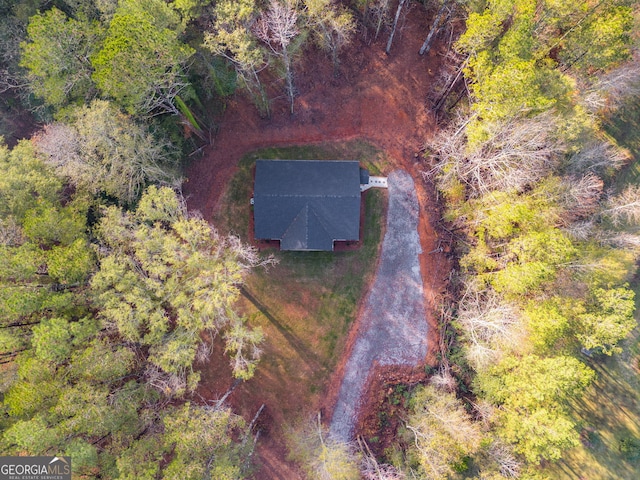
x=381, y=14
x=27, y=324
x=440, y=102
x=289, y=76
x=435, y=28
x=264, y=100
x=395, y=25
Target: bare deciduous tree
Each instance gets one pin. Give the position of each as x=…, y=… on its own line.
x=371, y=469
x=517, y=154
x=277, y=27
x=163, y=97
x=11, y=234
x=625, y=240
x=10, y=80
x=380, y=12
x=581, y=196
x=449, y=76
x=105, y=150
x=580, y=230
x=625, y=207
x=508, y=464
x=445, y=10
x=598, y=157
x=61, y=144
x=489, y=325
x=396, y=19
x=443, y=379
x=168, y=384
x=332, y=25
x=612, y=88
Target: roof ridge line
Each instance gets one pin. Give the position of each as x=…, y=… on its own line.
x=306, y=227
x=321, y=222
x=305, y=195
x=305, y=209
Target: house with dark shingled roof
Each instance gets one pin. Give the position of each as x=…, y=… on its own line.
x=307, y=204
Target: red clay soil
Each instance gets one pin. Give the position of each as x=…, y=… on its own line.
x=384, y=405
x=378, y=98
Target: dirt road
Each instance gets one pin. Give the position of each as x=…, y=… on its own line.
x=393, y=329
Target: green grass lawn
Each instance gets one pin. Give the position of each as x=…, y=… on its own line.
x=307, y=302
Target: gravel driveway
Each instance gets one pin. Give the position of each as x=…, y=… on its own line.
x=393, y=328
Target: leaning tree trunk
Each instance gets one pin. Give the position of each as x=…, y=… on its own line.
x=445, y=94
x=254, y=87
x=435, y=28
x=395, y=25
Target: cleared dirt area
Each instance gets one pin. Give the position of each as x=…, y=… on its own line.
x=378, y=98
x=393, y=325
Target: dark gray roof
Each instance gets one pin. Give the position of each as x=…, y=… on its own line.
x=364, y=176
x=307, y=204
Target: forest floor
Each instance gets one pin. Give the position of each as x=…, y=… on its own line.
x=378, y=98
x=16, y=122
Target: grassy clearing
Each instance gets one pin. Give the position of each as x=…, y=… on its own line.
x=307, y=302
x=315, y=294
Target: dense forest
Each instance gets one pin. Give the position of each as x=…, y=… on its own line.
x=113, y=293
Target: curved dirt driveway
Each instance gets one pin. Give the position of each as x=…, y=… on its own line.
x=394, y=325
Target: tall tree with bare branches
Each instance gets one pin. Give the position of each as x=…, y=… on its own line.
x=278, y=27
x=624, y=207
x=332, y=25
x=103, y=150
x=517, y=153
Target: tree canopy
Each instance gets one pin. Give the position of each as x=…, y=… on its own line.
x=112, y=294
x=57, y=56
x=101, y=324
x=165, y=279
x=515, y=47
x=101, y=149
x=140, y=62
